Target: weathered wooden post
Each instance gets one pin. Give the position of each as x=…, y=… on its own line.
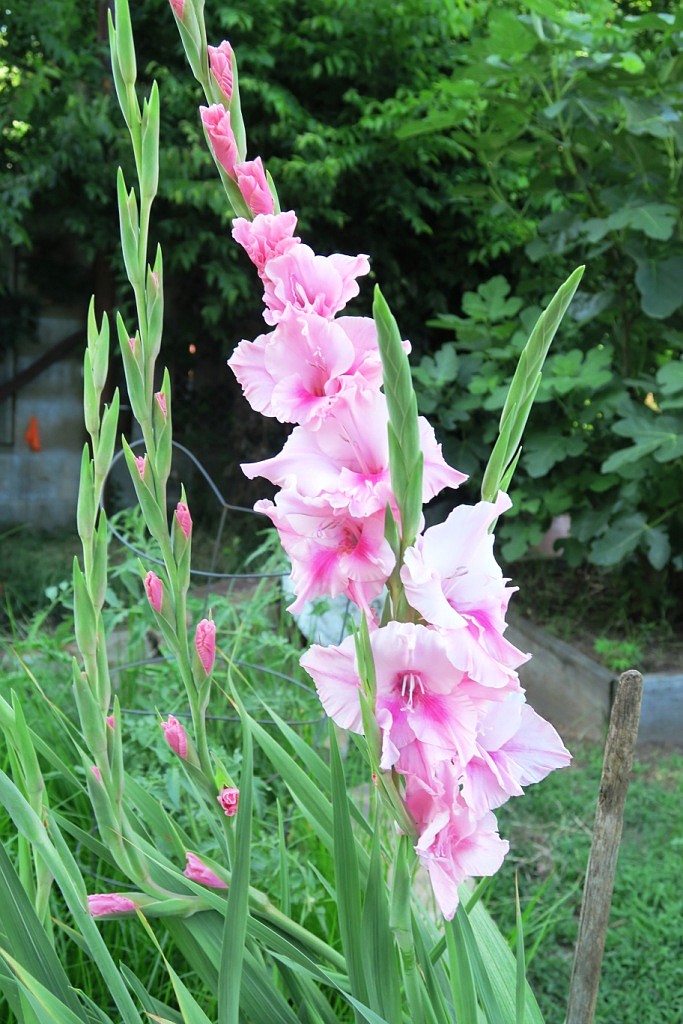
x=602, y=862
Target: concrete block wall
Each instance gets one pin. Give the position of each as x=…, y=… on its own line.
x=41, y=488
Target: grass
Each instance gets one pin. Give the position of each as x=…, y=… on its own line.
x=549, y=832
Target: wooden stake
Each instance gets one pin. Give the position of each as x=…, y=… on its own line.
x=602, y=862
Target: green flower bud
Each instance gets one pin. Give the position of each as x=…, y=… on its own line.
x=125, y=47
x=86, y=508
x=129, y=226
x=107, y=441
x=98, y=346
x=131, y=353
x=150, y=146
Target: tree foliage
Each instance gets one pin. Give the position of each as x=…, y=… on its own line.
x=576, y=147
x=478, y=152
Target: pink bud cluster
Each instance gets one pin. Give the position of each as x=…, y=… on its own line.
x=249, y=175
x=450, y=709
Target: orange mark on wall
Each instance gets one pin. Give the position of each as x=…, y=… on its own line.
x=32, y=435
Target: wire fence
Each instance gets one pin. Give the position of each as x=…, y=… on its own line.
x=214, y=575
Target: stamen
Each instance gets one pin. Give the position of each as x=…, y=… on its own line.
x=409, y=683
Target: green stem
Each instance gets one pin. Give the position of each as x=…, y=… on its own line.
x=262, y=907
x=401, y=926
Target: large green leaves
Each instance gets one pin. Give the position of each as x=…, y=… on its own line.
x=660, y=283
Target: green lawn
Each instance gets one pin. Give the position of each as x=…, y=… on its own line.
x=549, y=832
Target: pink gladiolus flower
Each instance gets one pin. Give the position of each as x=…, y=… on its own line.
x=205, y=644
x=111, y=721
x=198, y=872
x=296, y=372
x=141, y=463
x=182, y=514
x=452, y=579
x=301, y=370
x=155, y=590
x=220, y=62
x=314, y=284
x=228, y=798
x=175, y=736
x=96, y=772
x=216, y=121
x=104, y=903
x=424, y=703
x=331, y=552
x=254, y=186
x=347, y=458
x=161, y=402
x=515, y=747
x=266, y=237
x=454, y=844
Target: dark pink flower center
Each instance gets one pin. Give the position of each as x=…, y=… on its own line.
x=410, y=683
x=348, y=541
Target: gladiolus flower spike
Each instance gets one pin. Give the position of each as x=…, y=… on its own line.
x=450, y=715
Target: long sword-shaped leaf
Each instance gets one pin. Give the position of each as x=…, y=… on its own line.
x=149, y=1004
x=305, y=792
x=466, y=945
x=377, y=941
x=494, y=964
x=190, y=1009
x=436, y=982
x=199, y=939
x=58, y=858
x=346, y=874
x=315, y=766
x=462, y=982
x=235, y=930
x=26, y=940
x=520, y=995
x=48, y=1007
x=523, y=388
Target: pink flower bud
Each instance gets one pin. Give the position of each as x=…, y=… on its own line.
x=178, y=8
x=175, y=736
x=216, y=121
x=103, y=903
x=141, y=463
x=205, y=643
x=253, y=185
x=133, y=342
x=155, y=590
x=96, y=772
x=228, y=798
x=198, y=872
x=220, y=62
x=161, y=402
x=182, y=514
x=111, y=721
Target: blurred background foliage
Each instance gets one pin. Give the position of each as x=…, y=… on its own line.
x=478, y=151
